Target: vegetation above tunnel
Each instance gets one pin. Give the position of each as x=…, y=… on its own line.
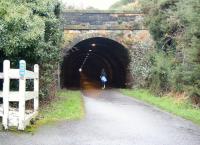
x=127, y=5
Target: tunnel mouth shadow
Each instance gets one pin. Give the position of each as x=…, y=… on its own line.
x=84, y=62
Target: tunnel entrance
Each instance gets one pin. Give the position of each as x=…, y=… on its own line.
x=91, y=56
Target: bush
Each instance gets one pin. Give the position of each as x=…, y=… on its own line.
x=159, y=79
x=175, y=26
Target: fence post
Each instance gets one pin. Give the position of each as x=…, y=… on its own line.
x=36, y=88
x=6, y=89
x=22, y=90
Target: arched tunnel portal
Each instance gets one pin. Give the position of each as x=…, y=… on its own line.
x=92, y=55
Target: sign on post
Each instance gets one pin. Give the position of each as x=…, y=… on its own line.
x=22, y=68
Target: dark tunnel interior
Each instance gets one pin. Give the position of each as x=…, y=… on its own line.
x=93, y=55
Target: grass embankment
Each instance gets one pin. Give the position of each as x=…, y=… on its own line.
x=68, y=106
x=181, y=108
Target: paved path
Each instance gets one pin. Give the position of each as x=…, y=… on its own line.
x=113, y=119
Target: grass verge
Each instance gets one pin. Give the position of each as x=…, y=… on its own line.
x=180, y=108
x=68, y=106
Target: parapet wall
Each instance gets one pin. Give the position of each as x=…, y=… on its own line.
x=103, y=21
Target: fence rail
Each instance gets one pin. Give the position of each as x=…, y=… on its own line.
x=1, y=75
x=18, y=116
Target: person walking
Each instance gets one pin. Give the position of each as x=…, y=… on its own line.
x=103, y=78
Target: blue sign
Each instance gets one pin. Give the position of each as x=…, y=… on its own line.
x=22, y=68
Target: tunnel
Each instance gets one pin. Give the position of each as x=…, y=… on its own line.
x=87, y=59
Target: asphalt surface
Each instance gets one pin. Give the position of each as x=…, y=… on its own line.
x=113, y=119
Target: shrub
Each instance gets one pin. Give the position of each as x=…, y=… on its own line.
x=159, y=79
x=175, y=26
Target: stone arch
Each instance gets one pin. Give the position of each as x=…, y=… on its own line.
x=81, y=35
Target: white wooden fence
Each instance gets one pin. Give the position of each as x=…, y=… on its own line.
x=19, y=116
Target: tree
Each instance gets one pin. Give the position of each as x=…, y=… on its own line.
x=125, y=5
x=30, y=30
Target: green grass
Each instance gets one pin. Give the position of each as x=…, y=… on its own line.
x=181, y=108
x=68, y=106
